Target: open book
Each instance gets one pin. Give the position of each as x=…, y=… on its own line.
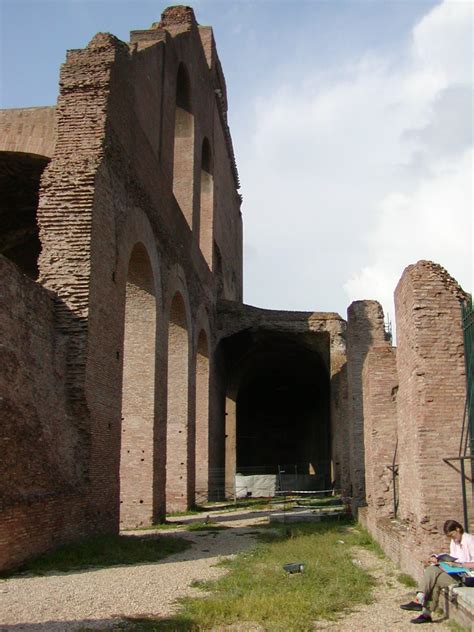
x=444, y=557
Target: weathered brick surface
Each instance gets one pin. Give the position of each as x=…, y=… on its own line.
x=39, y=464
x=380, y=385
x=429, y=411
x=365, y=329
x=431, y=397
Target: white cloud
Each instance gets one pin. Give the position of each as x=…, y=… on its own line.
x=354, y=174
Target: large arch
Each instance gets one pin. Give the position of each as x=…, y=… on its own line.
x=278, y=406
x=183, y=156
x=138, y=392
x=206, y=206
x=20, y=175
x=179, y=466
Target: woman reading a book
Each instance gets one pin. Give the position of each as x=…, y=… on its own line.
x=461, y=550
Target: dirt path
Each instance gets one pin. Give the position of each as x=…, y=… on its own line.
x=100, y=598
x=384, y=614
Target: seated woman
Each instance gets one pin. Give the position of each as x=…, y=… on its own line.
x=434, y=578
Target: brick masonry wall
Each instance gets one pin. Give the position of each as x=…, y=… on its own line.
x=431, y=399
x=39, y=474
x=108, y=187
x=28, y=130
x=365, y=329
x=380, y=385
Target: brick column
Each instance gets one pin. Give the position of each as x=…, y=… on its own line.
x=431, y=397
x=365, y=329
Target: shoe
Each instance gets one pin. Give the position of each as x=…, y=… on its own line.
x=423, y=618
x=412, y=605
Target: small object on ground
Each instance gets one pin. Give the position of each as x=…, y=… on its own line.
x=423, y=618
x=340, y=542
x=295, y=567
x=412, y=605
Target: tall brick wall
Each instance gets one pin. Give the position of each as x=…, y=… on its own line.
x=109, y=187
x=431, y=398
x=380, y=385
x=365, y=329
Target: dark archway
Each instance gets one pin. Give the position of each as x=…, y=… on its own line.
x=20, y=176
x=282, y=394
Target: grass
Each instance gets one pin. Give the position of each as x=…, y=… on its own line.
x=106, y=550
x=407, y=580
x=455, y=627
x=257, y=589
x=204, y=525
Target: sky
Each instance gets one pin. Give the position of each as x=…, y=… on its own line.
x=352, y=124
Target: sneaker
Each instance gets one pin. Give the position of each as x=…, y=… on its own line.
x=423, y=618
x=412, y=605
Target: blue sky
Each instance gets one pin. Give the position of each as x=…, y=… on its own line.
x=352, y=125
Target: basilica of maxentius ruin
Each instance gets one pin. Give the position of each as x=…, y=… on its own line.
x=134, y=381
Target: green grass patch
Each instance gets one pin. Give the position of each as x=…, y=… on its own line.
x=407, y=580
x=203, y=525
x=455, y=627
x=106, y=550
x=257, y=589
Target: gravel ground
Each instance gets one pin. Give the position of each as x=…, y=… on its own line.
x=100, y=598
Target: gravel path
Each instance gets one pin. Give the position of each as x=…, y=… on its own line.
x=100, y=598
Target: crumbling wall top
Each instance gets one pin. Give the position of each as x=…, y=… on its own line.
x=429, y=270
x=176, y=19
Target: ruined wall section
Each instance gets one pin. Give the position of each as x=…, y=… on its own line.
x=431, y=398
x=365, y=329
x=380, y=386
x=38, y=468
x=67, y=198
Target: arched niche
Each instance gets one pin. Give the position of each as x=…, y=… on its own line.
x=202, y=418
x=178, y=436
x=206, y=203
x=138, y=392
x=183, y=156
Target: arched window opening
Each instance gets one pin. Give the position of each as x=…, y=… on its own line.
x=138, y=393
x=206, y=203
x=178, y=437
x=202, y=419
x=183, y=165
x=20, y=176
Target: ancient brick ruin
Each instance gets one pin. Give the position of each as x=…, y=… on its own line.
x=134, y=381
